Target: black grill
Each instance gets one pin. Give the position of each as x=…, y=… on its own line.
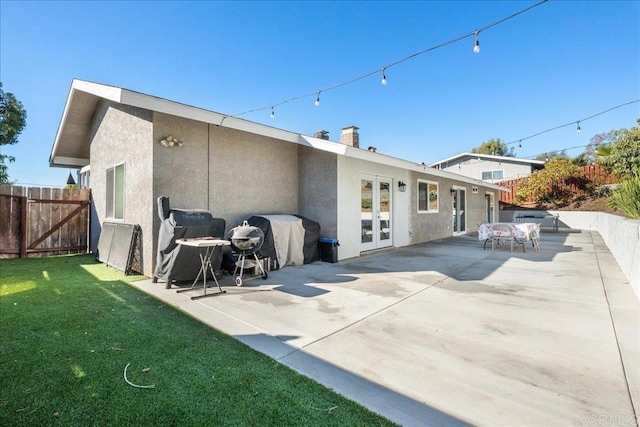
x=176, y=263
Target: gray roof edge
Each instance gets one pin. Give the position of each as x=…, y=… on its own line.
x=162, y=105
x=345, y=150
x=154, y=103
x=487, y=156
x=97, y=89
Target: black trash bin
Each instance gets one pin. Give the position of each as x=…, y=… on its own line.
x=329, y=249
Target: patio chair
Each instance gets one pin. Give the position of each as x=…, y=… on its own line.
x=535, y=237
x=501, y=232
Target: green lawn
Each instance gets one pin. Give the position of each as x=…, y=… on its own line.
x=70, y=325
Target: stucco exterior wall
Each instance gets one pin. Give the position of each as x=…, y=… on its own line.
x=439, y=225
x=318, y=188
x=251, y=175
x=180, y=172
x=348, y=203
x=123, y=134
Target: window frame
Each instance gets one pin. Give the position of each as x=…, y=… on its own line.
x=428, y=183
x=115, y=183
x=492, y=172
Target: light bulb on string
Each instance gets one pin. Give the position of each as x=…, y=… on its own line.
x=317, y=103
x=476, y=44
x=384, y=77
x=520, y=145
x=578, y=128
x=273, y=113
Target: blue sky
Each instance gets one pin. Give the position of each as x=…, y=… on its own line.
x=555, y=64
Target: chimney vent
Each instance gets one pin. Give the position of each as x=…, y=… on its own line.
x=350, y=136
x=322, y=134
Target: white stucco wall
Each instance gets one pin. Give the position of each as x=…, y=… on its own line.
x=349, y=172
x=621, y=235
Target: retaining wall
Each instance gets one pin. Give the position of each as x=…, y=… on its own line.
x=621, y=235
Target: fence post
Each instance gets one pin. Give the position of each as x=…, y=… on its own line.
x=23, y=226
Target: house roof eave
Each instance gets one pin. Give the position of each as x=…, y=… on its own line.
x=487, y=157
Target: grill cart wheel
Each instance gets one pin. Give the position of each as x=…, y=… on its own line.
x=238, y=281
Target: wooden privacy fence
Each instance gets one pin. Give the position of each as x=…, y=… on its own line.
x=594, y=173
x=43, y=221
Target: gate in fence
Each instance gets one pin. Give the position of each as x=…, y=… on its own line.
x=43, y=221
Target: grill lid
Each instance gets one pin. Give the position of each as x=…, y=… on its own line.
x=245, y=238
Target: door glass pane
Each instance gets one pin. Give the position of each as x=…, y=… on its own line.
x=489, y=199
x=384, y=210
x=463, y=211
x=455, y=211
x=366, y=216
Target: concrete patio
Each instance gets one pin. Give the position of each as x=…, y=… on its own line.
x=446, y=333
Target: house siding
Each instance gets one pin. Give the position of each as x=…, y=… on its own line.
x=318, y=188
x=473, y=167
x=235, y=174
x=439, y=225
x=348, y=206
x=123, y=134
x=251, y=175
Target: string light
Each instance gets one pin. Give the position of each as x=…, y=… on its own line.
x=520, y=145
x=384, y=77
x=476, y=45
x=377, y=70
x=519, y=141
x=317, y=103
x=273, y=113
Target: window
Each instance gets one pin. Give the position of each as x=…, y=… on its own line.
x=427, y=196
x=489, y=175
x=115, y=192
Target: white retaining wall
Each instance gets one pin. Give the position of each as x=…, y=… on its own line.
x=621, y=235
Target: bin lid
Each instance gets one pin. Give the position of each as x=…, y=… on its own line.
x=328, y=240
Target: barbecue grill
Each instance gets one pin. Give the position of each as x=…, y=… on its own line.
x=246, y=240
x=176, y=263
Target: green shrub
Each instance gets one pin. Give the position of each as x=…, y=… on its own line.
x=626, y=198
x=549, y=184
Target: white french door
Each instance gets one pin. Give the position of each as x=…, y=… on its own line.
x=489, y=206
x=459, y=200
x=375, y=212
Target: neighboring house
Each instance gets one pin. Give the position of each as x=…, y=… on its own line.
x=236, y=168
x=487, y=167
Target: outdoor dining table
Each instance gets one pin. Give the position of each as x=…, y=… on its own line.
x=206, y=247
x=522, y=232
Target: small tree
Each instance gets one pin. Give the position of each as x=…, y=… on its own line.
x=552, y=155
x=624, y=157
x=13, y=119
x=598, y=143
x=495, y=147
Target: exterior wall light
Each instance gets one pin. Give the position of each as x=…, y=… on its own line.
x=402, y=186
x=453, y=191
x=170, y=141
